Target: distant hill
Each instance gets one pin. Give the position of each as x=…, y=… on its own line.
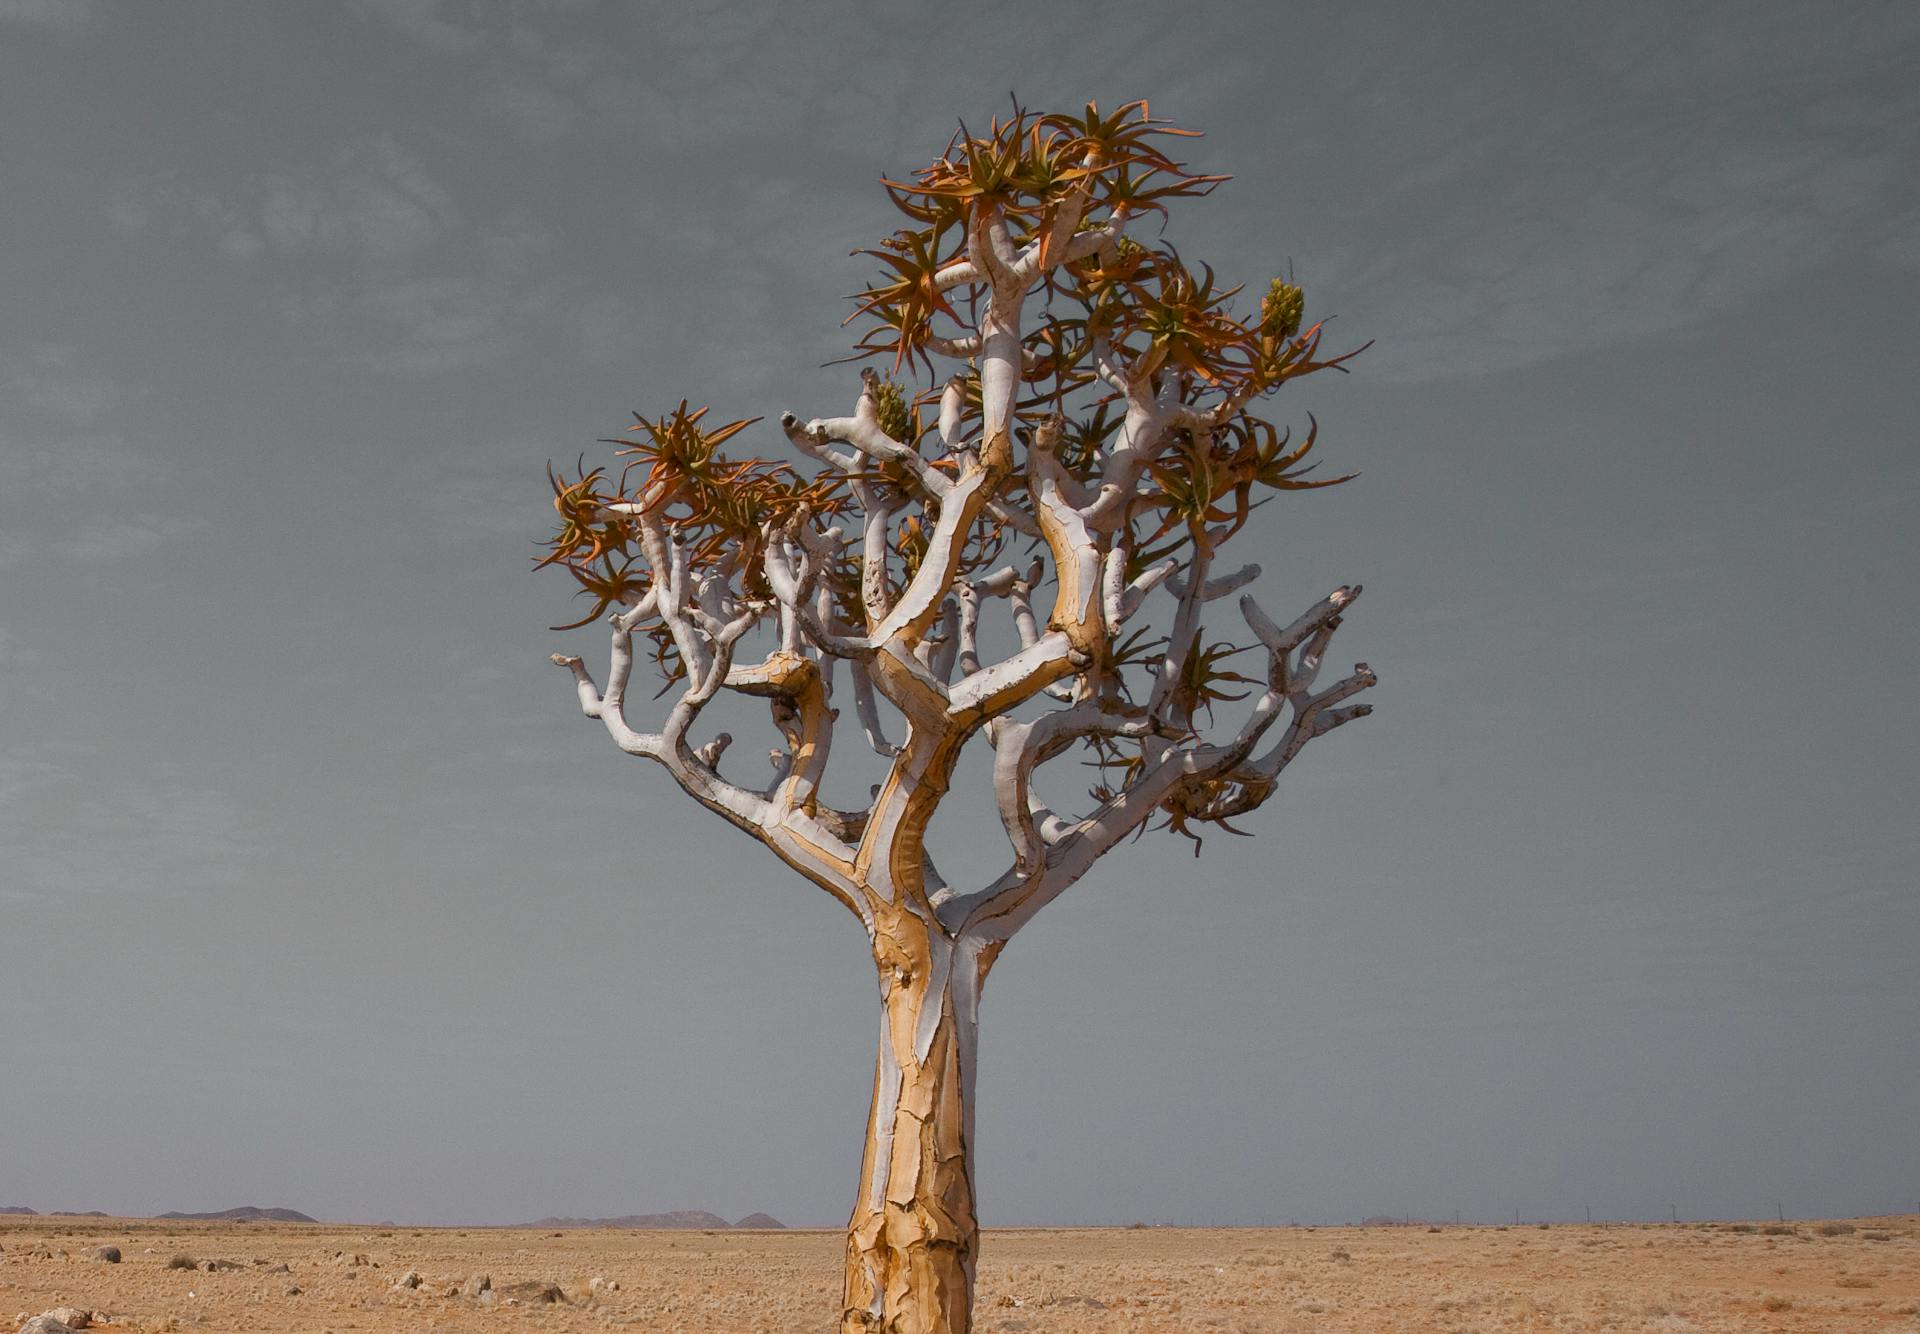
x=16, y=1209
x=760, y=1220
x=246, y=1213
x=680, y=1218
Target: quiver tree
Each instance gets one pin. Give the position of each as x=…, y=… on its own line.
x=1016, y=536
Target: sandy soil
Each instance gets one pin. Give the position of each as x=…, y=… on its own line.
x=1732, y=1277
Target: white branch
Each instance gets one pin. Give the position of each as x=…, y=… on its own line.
x=1022, y=747
x=1213, y=781
x=868, y=712
x=1219, y=586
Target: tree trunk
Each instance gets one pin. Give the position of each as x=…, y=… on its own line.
x=913, y=1237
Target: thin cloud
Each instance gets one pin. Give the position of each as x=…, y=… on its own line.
x=422, y=291
x=53, y=382
x=1666, y=180
x=108, y=539
x=538, y=84
x=66, y=466
x=374, y=201
x=53, y=15
x=79, y=826
x=441, y=28
x=51, y=477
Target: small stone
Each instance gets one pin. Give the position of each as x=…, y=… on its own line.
x=293, y=1290
x=476, y=1285
x=407, y=1281
x=534, y=1292
x=109, y=1254
x=604, y=1284
x=45, y=1324
x=280, y=1269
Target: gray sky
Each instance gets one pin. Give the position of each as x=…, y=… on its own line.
x=316, y=890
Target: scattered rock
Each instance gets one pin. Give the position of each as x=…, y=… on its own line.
x=60, y=1320
x=533, y=1292
x=45, y=1324
x=183, y=1262
x=220, y=1266
x=293, y=1290
x=109, y=1254
x=280, y=1269
x=407, y=1281
x=604, y=1284
x=476, y=1285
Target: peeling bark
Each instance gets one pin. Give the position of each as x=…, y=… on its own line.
x=914, y=1236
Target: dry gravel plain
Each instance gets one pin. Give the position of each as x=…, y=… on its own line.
x=1863, y=1274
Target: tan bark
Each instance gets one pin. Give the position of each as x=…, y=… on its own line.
x=913, y=1237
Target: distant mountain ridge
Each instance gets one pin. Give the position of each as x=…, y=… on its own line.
x=679, y=1218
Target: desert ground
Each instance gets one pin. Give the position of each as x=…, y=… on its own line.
x=1859, y=1274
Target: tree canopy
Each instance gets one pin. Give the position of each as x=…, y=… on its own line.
x=1053, y=400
